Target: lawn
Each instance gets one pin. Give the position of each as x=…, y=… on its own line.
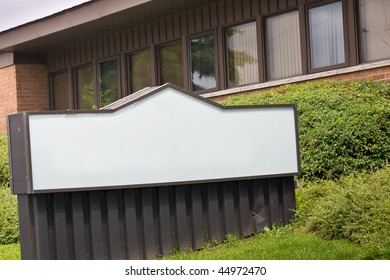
x=276, y=244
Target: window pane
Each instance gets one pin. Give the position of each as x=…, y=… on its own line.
x=85, y=87
x=242, y=60
x=139, y=70
x=374, y=29
x=203, y=63
x=108, y=82
x=171, y=63
x=283, y=46
x=326, y=35
x=60, y=91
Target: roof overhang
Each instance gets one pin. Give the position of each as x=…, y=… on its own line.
x=88, y=21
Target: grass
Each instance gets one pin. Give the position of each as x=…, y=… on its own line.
x=277, y=244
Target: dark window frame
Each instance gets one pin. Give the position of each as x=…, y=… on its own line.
x=51, y=88
x=152, y=67
x=185, y=69
x=347, y=54
x=93, y=64
x=302, y=37
x=359, y=38
x=260, y=51
x=216, y=60
x=97, y=78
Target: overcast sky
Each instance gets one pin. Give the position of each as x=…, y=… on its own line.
x=16, y=12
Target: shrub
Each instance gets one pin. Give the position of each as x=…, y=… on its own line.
x=9, y=226
x=4, y=167
x=355, y=208
x=343, y=126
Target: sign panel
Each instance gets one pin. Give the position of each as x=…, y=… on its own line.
x=162, y=136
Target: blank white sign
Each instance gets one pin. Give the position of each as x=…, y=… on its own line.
x=167, y=137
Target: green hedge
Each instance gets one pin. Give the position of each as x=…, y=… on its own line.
x=9, y=226
x=355, y=208
x=4, y=167
x=343, y=126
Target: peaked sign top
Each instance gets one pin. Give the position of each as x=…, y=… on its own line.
x=157, y=136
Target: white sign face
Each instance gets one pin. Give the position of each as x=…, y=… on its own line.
x=168, y=137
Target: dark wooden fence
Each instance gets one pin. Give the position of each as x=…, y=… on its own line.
x=146, y=223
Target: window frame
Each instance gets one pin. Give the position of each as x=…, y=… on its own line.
x=189, y=60
x=359, y=39
x=346, y=62
x=97, y=78
x=302, y=36
x=260, y=51
x=51, y=88
x=76, y=102
x=128, y=71
x=157, y=60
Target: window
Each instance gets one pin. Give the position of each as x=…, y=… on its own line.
x=202, y=58
x=326, y=33
x=374, y=29
x=85, y=87
x=139, y=70
x=108, y=82
x=60, y=91
x=242, y=62
x=283, y=47
x=171, y=63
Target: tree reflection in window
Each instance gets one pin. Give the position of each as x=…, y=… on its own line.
x=241, y=43
x=202, y=63
x=108, y=82
x=171, y=63
x=85, y=87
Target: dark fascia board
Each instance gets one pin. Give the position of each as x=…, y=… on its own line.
x=84, y=13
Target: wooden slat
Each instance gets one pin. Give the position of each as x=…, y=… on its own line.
x=183, y=222
x=246, y=9
x=197, y=223
x=198, y=20
x=206, y=17
x=80, y=225
x=275, y=211
x=238, y=14
x=132, y=220
x=115, y=225
x=149, y=238
x=63, y=240
x=167, y=232
x=259, y=205
x=229, y=10
x=43, y=228
x=98, y=220
x=142, y=36
x=244, y=212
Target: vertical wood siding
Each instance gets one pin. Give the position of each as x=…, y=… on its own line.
x=150, y=222
x=173, y=27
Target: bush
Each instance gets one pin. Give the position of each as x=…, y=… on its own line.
x=355, y=208
x=9, y=226
x=343, y=126
x=4, y=167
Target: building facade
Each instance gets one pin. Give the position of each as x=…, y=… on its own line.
x=93, y=54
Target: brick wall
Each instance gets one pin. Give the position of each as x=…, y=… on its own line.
x=376, y=74
x=7, y=95
x=23, y=87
